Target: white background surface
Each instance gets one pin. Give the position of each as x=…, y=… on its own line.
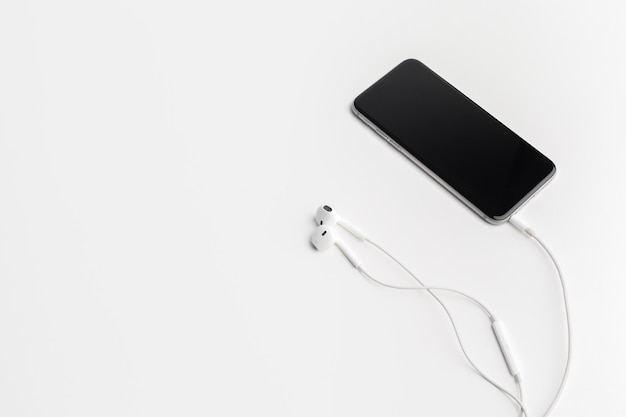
x=160, y=163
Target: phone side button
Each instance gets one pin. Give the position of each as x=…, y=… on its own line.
x=387, y=138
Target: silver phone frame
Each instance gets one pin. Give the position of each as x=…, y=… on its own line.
x=444, y=184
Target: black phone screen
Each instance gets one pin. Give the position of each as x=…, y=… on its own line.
x=476, y=155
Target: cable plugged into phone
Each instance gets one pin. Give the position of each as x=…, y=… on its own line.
x=521, y=226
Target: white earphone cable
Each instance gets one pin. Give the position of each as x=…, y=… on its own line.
x=452, y=322
x=430, y=291
x=520, y=395
x=412, y=275
x=518, y=224
x=530, y=233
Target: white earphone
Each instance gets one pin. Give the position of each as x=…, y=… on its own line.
x=325, y=237
x=326, y=216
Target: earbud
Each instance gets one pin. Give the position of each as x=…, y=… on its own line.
x=324, y=237
x=326, y=216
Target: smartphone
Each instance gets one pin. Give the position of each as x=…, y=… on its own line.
x=474, y=156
